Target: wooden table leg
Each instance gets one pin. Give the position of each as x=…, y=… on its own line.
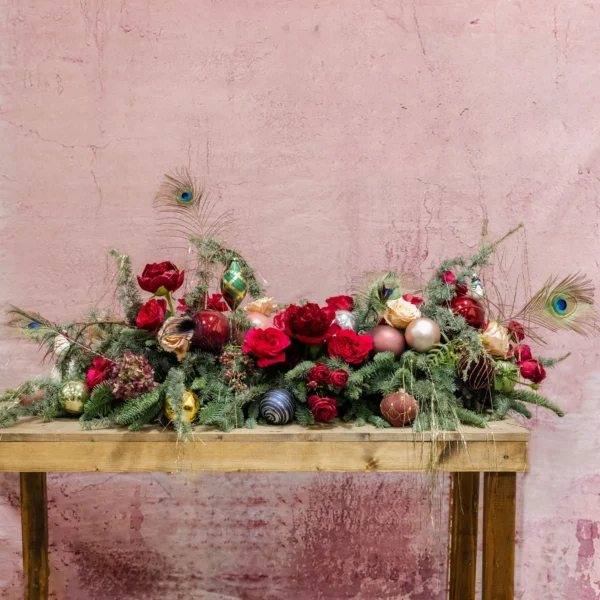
x=34, y=523
x=499, y=523
x=463, y=536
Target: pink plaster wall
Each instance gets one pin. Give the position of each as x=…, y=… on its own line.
x=347, y=135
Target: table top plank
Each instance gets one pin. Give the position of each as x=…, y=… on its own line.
x=69, y=430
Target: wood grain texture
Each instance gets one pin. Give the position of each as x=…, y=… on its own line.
x=114, y=457
x=499, y=522
x=462, y=557
x=34, y=522
x=64, y=430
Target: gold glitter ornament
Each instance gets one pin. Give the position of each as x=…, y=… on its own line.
x=190, y=406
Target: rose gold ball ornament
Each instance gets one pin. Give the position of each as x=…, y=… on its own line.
x=387, y=339
x=257, y=321
x=399, y=409
x=422, y=334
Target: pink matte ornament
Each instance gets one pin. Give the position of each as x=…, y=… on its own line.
x=387, y=339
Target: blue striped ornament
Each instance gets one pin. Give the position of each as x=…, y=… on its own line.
x=277, y=407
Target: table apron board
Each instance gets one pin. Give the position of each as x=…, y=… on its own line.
x=118, y=457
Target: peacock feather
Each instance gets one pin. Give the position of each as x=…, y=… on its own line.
x=186, y=207
x=566, y=304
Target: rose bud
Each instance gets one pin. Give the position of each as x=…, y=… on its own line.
x=532, y=370
x=522, y=352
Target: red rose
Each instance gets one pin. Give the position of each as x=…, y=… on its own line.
x=152, y=314
x=323, y=409
x=338, y=378
x=309, y=323
x=532, y=370
x=448, y=277
x=340, y=302
x=416, y=300
x=319, y=374
x=461, y=289
x=215, y=302
x=98, y=372
x=268, y=345
x=182, y=306
x=516, y=331
x=160, y=278
x=350, y=346
x=522, y=352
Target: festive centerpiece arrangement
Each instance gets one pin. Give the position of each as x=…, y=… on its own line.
x=394, y=353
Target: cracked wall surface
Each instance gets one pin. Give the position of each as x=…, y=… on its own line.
x=347, y=136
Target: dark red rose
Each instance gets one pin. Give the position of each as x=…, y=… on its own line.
x=461, y=289
x=516, y=331
x=319, y=374
x=268, y=345
x=216, y=302
x=98, y=372
x=160, y=278
x=416, y=300
x=309, y=323
x=340, y=302
x=152, y=314
x=338, y=378
x=532, y=370
x=323, y=409
x=350, y=346
x=182, y=306
x=522, y=352
x=448, y=277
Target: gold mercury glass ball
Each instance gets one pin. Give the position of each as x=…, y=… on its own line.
x=422, y=334
x=72, y=395
x=191, y=405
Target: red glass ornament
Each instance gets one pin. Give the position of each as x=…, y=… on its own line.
x=212, y=330
x=470, y=309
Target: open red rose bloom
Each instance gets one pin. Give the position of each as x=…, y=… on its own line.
x=160, y=278
x=268, y=345
x=309, y=324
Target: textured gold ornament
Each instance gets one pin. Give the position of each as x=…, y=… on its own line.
x=72, y=395
x=190, y=406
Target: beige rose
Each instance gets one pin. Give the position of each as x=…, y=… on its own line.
x=176, y=335
x=400, y=313
x=265, y=306
x=495, y=339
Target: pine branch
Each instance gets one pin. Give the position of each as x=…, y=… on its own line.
x=128, y=291
x=533, y=398
x=99, y=402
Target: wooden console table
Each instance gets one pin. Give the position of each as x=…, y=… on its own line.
x=34, y=449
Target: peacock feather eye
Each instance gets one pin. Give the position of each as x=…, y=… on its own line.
x=33, y=325
x=563, y=304
x=185, y=196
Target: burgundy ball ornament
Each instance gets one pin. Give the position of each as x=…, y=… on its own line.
x=387, y=339
x=422, y=334
x=399, y=409
x=470, y=309
x=212, y=330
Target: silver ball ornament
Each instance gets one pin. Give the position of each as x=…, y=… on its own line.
x=72, y=395
x=61, y=345
x=422, y=334
x=346, y=320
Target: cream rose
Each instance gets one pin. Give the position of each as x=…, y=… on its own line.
x=264, y=306
x=400, y=313
x=176, y=335
x=495, y=339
